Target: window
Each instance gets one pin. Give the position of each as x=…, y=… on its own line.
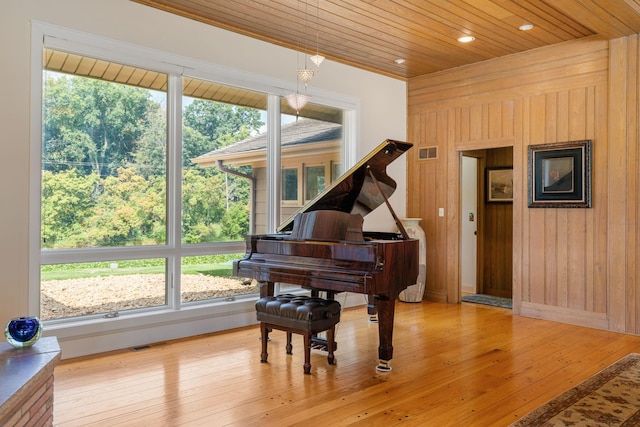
x=308, y=145
x=101, y=288
x=216, y=197
x=103, y=186
x=103, y=157
x=336, y=170
x=314, y=181
x=151, y=179
x=290, y=185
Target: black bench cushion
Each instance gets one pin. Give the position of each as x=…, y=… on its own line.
x=298, y=312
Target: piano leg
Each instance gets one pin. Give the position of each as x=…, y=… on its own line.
x=386, y=313
x=264, y=332
x=266, y=288
x=372, y=309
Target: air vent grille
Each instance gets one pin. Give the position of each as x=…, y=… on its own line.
x=428, y=153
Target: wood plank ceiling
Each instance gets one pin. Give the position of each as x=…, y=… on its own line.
x=85, y=66
x=372, y=34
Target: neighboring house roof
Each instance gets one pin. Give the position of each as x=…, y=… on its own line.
x=296, y=134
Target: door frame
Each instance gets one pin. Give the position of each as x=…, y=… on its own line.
x=480, y=194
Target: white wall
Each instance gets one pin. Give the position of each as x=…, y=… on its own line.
x=469, y=239
x=382, y=101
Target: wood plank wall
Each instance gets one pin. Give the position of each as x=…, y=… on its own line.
x=623, y=186
x=577, y=266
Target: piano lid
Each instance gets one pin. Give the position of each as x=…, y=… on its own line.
x=356, y=191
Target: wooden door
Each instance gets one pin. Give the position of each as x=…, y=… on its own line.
x=495, y=266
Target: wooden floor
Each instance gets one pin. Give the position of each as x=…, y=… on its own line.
x=454, y=365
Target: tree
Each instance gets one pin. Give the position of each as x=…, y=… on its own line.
x=150, y=155
x=236, y=222
x=92, y=125
x=194, y=144
x=105, y=167
x=68, y=200
x=222, y=124
x=129, y=211
x=222, y=211
x=202, y=205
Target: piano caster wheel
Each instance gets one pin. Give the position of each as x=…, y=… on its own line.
x=383, y=366
x=373, y=319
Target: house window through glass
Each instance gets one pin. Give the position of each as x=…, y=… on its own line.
x=289, y=184
x=314, y=181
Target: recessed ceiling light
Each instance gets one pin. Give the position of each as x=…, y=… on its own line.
x=400, y=61
x=525, y=27
x=466, y=39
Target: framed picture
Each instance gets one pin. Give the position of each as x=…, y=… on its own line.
x=560, y=175
x=499, y=184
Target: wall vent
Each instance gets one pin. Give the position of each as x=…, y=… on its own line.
x=428, y=153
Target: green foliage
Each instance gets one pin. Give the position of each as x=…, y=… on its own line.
x=201, y=213
x=194, y=144
x=222, y=124
x=104, y=160
x=150, y=155
x=127, y=212
x=68, y=200
x=92, y=125
x=236, y=222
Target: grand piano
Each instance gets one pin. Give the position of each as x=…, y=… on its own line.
x=323, y=247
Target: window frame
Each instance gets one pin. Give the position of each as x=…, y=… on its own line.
x=55, y=37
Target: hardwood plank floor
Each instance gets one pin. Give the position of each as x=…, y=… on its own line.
x=453, y=365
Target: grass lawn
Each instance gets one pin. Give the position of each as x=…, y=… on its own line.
x=214, y=265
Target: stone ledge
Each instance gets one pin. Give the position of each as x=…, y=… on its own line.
x=23, y=371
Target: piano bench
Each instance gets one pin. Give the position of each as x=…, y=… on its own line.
x=300, y=315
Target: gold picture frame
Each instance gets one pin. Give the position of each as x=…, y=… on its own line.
x=499, y=187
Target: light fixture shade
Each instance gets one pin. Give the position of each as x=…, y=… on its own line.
x=297, y=100
x=305, y=75
x=466, y=39
x=317, y=59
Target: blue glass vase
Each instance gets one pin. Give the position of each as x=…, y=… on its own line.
x=23, y=331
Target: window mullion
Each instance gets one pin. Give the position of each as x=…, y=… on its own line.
x=273, y=163
x=174, y=189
